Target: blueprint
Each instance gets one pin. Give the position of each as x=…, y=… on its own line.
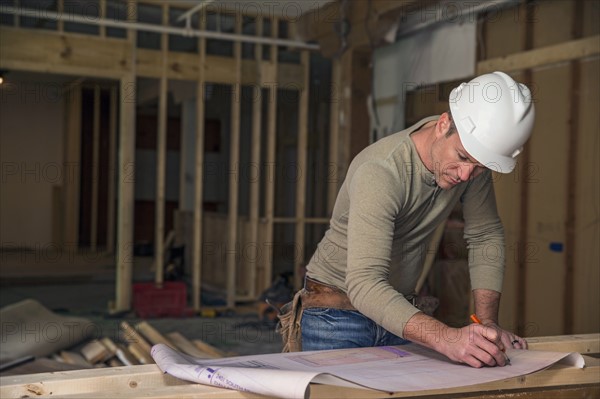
x=387, y=368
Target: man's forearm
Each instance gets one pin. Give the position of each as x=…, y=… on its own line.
x=487, y=304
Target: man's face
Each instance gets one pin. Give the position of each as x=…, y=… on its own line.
x=452, y=164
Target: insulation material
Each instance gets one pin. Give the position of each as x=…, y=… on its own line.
x=431, y=56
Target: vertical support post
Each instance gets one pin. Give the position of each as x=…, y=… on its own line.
x=124, y=255
x=334, y=135
x=73, y=166
x=234, y=155
x=255, y=159
x=102, y=14
x=524, y=161
x=60, y=8
x=270, y=157
x=161, y=158
x=572, y=177
x=95, y=170
x=112, y=148
x=199, y=176
x=302, y=167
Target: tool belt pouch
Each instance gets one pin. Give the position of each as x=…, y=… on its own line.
x=321, y=295
x=289, y=324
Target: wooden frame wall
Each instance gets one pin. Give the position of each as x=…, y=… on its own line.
x=106, y=57
x=550, y=244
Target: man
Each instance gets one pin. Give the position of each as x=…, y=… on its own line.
x=396, y=192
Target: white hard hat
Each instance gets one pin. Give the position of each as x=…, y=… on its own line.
x=494, y=117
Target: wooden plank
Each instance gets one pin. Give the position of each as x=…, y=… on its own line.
x=95, y=170
x=110, y=345
x=139, y=353
x=50, y=52
x=333, y=166
x=186, y=346
x=149, y=381
x=234, y=168
x=112, y=177
x=302, y=164
x=74, y=358
x=30, y=50
x=255, y=159
x=555, y=54
x=581, y=343
x=271, y=158
x=208, y=349
x=587, y=250
x=152, y=334
x=72, y=155
x=95, y=352
x=124, y=253
x=524, y=215
x=126, y=357
x=199, y=176
x=130, y=335
x=572, y=176
x=161, y=158
x=545, y=256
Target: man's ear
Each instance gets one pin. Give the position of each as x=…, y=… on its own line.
x=443, y=125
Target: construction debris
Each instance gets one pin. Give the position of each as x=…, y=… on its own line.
x=133, y=349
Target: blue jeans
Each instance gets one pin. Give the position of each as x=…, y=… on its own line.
x=325, y=328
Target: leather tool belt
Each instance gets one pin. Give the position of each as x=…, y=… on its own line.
x=320, y=295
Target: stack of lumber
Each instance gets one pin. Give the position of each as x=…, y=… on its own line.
x=132, y=348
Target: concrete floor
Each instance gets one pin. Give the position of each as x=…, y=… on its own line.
x=86, y=291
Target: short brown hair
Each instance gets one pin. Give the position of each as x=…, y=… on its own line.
x=452, y=129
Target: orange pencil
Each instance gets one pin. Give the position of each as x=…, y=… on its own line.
x=476, y=320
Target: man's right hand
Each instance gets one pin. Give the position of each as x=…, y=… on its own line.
x=475, y=344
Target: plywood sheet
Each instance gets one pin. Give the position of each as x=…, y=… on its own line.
x=587, y=231
x=547, y=203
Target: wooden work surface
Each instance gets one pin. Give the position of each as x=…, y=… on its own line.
x=148, y=381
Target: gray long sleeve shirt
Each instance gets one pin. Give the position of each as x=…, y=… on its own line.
x=384, y=217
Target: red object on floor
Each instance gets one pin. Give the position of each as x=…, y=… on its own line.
x=168, y=300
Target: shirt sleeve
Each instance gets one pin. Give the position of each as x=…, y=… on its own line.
x=374, y=204
x=484, y=234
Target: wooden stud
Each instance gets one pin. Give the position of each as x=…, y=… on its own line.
x=72, y=159
x=234, y=168
x=126, y=357
x=186, y=346
x=270, y=157
x=131, y=336
x=208, y=349
x=112, y=178
x=161, y=158
x=572, y=177
x=140, y=354
x=524, y=198
x=60, y=24
x=255, y=161
x=124, y=254
x=152, y=334
x=199, y=175
x=333, y=167
x=74, y=358
x=102, y=14
x=302, y=161
x=95, y=171
x=95, y=352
